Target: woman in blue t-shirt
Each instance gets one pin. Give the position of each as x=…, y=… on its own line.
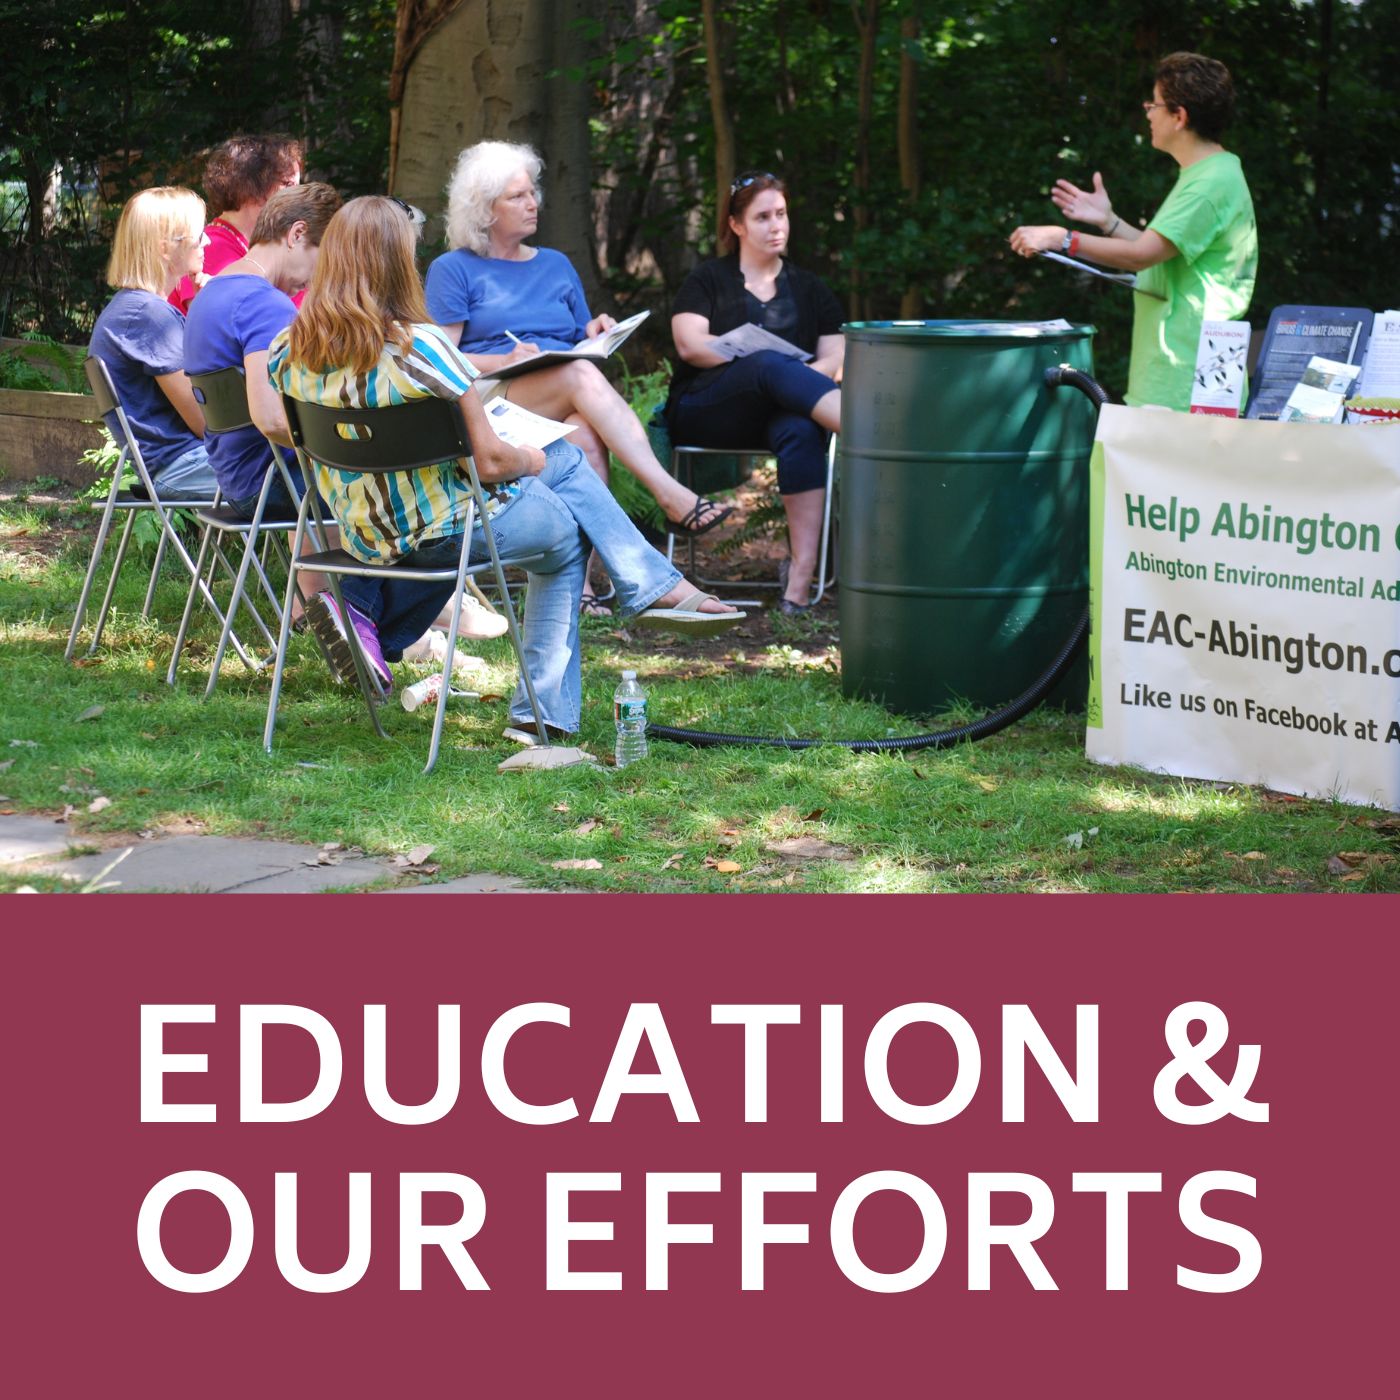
x=140, y=337
x=501, y=300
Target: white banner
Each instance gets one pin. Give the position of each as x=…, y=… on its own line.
x=1245, y=602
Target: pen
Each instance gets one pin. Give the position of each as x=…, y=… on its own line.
x=515, y=338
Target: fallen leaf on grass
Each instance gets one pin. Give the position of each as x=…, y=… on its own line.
x=7, y=811
x=1337, y=866
x=92, y=712
x=1355, y=875
x=671, y=862
x=490, y=699
x=67, y=812
x=90, y=661
x=915, y=771
x=99, y=804
x=815, y=815
x=561, y=807
x=724, y=867
x=584, y=827
x=1076, y=839
x=1254, y=855
x=986, y=784
x=24, y=744
x=589, y=864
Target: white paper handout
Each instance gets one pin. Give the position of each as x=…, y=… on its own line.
x=521, y=428
x=1380, y=374
x=749, y=339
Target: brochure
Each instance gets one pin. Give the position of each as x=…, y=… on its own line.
x=1220, y=360
x=1319, y=394
x=597, y=347
x=521, y=428
x=748, y=339
x=1380, y=374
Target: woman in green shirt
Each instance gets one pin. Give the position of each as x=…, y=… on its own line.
x=1196, y=260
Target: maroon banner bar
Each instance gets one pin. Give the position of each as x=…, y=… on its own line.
x=923, y=988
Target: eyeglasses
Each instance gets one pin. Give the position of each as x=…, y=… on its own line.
x=415, y=215
x=1152, y=106
x=750, y=177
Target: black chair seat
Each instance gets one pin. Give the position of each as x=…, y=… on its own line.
x=226, y=518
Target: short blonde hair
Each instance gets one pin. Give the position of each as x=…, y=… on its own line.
x=151, y=217
x=479, y=179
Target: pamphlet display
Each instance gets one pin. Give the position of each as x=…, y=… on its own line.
x=1380, y=376
x=1245, y=602
x=1294, y=336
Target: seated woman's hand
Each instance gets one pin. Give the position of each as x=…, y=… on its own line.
x=524, y=350
x=1083, y=206
x=598, y=325
x=1030, y=239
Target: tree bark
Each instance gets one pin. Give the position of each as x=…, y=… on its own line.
x=911, y=304
x=866, y=15
x=492, y=70
x=719, y=112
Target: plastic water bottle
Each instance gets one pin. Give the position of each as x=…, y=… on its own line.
x=630, y=716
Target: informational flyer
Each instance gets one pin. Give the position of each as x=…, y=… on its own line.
x=1245, y=602
x=1294, y=335
x=1218, y=386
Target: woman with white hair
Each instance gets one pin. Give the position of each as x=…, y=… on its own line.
x=500, y=299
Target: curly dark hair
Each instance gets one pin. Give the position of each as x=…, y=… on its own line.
x=247, y=168
x=1203, y=87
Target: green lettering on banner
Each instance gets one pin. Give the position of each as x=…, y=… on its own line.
x=1093, y=717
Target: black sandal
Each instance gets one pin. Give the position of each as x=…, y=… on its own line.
x=704, y=516
x=591, y=605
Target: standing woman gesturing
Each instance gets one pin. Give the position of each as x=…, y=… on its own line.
x=1197, y=258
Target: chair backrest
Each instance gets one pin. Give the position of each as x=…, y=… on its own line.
x=223, y=393
x=392, y=438
x=100, y=382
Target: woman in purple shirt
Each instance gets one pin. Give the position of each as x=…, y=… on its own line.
x=502, y=300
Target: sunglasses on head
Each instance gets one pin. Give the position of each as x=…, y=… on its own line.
x=749, y=178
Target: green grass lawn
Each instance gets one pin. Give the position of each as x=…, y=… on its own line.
x=1022, y=811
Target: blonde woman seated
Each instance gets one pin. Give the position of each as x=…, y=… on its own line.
x=501, y=299
x=140, y=337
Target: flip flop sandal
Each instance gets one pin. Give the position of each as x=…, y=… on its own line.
x=705, y=515
x=686, y=618
x=591, y=605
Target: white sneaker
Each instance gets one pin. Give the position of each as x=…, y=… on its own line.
x=478, y=623
x=431, y=649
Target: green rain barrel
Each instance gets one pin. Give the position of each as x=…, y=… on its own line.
x=964, y=510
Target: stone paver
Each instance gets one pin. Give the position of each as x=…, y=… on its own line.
x=212, y=864
x=215, y=864
x=26, y=837
x=471, y=884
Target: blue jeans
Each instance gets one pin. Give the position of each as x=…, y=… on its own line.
x=561, y=515
x=189, y=477
x=762, y=400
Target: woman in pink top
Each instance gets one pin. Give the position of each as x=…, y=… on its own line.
x=240, y=176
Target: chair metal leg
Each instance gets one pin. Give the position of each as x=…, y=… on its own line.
x=284, y=631
x=112, y=582
x=99, y=545
x=189, y=604
x=155, y=568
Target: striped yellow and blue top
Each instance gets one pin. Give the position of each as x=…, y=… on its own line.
x=383, y=517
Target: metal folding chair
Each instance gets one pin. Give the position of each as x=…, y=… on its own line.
x=224, y=397
x=394, y=438
x=143, y=498
x=683, y=459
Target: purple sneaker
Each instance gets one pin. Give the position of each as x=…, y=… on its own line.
x=325, y=621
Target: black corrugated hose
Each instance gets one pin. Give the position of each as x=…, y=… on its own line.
x=1055, y=377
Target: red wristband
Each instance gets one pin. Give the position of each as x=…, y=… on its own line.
x=1073, y=244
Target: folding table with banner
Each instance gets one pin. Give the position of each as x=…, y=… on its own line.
x=1245, y=602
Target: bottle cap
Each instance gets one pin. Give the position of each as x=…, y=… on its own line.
x=629, y=675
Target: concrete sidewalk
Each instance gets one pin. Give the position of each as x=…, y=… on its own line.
x=193, y=864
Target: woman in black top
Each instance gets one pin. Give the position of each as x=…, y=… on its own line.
x=767, y=397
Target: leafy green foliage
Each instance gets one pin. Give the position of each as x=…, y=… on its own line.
x=43, y=366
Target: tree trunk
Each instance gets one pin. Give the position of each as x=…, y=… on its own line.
x=719, y=113
x=866, y=14
x=492, y=70
x=911, y=305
